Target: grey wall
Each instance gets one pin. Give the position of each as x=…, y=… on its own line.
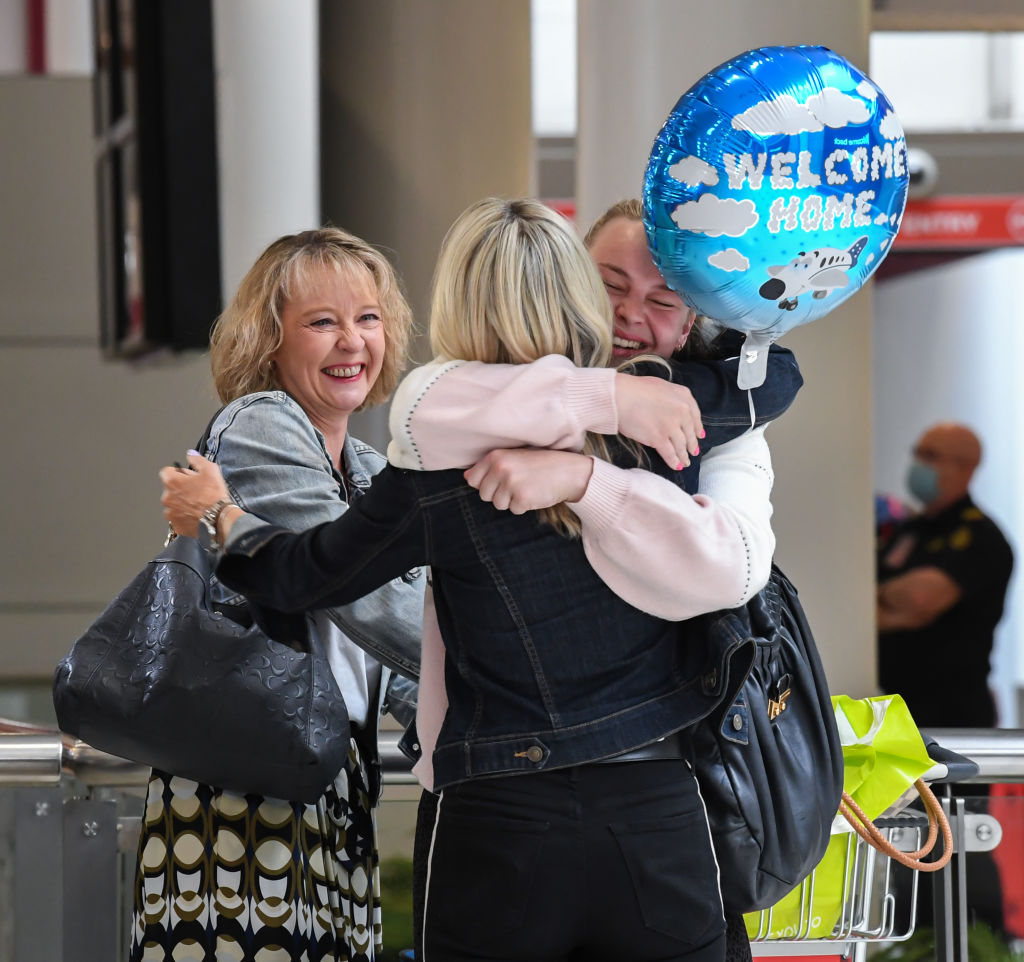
x=83, y=437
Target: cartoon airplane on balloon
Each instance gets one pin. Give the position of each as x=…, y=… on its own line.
x=820, y=271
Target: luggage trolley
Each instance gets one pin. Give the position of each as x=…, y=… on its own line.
x=871, y=897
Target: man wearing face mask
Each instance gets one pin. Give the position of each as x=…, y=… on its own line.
x=942, y=578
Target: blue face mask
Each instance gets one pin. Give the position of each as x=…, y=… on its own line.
x=923, y=481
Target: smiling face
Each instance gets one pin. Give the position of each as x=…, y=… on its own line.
x=648, y=317
x=332, y=344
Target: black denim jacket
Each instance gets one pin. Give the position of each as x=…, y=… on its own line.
x=726, y=411
x=545, y=666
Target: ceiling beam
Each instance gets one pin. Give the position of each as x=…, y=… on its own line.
x=924, y=15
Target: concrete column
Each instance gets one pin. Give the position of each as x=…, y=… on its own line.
x=425, y=108
x=635, y=60
x=267, y=126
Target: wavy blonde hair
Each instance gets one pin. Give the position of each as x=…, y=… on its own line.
x=248, y=332
x=514, y=283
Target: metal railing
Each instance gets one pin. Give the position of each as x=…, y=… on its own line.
x=998, y=752
x=33, y=757
x=70, y=817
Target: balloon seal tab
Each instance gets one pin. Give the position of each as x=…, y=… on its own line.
x=753, y=361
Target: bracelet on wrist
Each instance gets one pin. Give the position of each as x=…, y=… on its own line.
x=209, y=533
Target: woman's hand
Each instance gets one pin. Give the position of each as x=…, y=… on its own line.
x=660, y=415
x=188, y=493
x=527, y=479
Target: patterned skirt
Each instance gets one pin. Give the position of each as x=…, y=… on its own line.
x=225, y=877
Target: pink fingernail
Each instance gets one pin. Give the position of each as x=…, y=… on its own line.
x=701, y=433
x=679, y=466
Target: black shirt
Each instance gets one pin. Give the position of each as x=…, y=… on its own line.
x=941, y=669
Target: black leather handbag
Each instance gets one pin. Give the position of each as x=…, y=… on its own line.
x=769, y=761
x=183, y=675
x=170, y=676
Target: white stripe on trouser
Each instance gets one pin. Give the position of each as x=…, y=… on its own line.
x=707, y=822
x=430, y=863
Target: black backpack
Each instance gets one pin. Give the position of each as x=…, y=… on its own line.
x=769, y=761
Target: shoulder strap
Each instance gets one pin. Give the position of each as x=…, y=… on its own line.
x=201, y=448
x=201, y=443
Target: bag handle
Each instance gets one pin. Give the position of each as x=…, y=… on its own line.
x=201, y=443
x=937, y=822
x=201, y=448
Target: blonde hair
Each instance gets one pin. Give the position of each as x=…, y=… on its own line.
x=698, y=343
x=514, y=283
x=628, y=209
x=248, y=332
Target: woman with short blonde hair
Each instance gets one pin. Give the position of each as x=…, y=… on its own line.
x=248, y=332
x=316, y=331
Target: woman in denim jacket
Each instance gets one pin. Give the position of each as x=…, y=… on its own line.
x=317, y=329
x=541, y=851
x=451, y=414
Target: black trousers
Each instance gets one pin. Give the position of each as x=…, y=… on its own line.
x=598, y=862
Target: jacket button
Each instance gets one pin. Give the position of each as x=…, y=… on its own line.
x=737, y=722
x=711, y=678
x=535, y=753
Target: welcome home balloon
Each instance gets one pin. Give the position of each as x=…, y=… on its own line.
x=774, y=190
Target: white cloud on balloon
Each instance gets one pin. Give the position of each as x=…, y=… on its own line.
x=716, y=216
x=693, y=171
x=890, y=127
x=783, y=115
x=836, y=109
x=867, y=90
x=729, y=260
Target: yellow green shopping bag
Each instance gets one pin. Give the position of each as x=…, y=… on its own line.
x=883, y=755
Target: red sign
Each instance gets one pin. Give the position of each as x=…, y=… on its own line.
x=958, y=222
x=566, y=206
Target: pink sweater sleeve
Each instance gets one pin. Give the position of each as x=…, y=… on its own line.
x=677, y=556
x=657, y=547
x=450, y=414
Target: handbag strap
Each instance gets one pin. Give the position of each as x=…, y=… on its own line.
x=201, y=448
x=201, y=443
x=937, y=822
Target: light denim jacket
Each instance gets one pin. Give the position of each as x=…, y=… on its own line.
x=276, y=466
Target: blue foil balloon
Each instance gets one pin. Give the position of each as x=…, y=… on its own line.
x=773, y=191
